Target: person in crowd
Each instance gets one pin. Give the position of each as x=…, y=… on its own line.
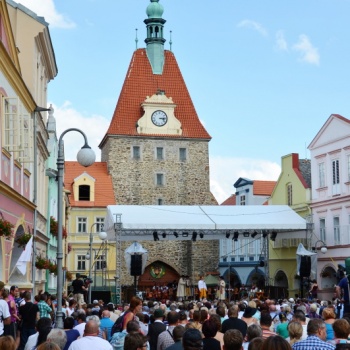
x=328, y=316
x=134, y=308
x=106, y=323
x=81, y=319
x=183, y=318
x=209, y=330
x=7, y=343
x=78, y=289
x=316, y=340
x=276, y=342
x=282, y=327
x=43, y=327
x=233, y=340
x=48, y=345
x=165, y=339
x=248, y=316
x=11, y=328
x=295, y=332
x=313, y=290
x=233, y=322
x=313, y=311
x=44, y=309
x=90, y=339
x=256, y=343
x=29, y=314
x=253, y=331
x=72, y=304
x=144, y=322
x=299, y=316
x=221, y=311
x=341, y=330
x=118, y=338
x=177, y=334
x=192, y=339
x=4, y=310
x=71, y=334
x=135, y=341
x=265, y=324
x=57, y=336
x=155, y=328
x=219, y=335
x=101, y=332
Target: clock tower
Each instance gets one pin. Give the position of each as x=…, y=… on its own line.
x=156, y=147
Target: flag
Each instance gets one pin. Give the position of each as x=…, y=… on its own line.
x=25, y=257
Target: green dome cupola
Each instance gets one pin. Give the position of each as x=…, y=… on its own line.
x=155, y=40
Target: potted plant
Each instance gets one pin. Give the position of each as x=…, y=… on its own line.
x=41, y=263
x=54, y=228
x=23, y=239
x=5, y=227
x=52, y=267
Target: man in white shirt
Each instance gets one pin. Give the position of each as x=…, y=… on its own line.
x=80, y=327
x=202, y=287
x=5, y=316
x=90, y=340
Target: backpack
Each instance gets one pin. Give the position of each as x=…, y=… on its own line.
x=118, y=324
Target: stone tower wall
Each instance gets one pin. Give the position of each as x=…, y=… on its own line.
x=186, y=183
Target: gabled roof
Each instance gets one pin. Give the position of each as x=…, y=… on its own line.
x=263, y=188
x=104, y=193
x=139, y=83
x=305, y=170
x=333, y=134
x=230, y=200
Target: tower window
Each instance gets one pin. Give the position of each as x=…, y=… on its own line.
x=160, y=201
x=136, y=153
x=289, y=194
x=160, y=179
x=160, y=153
x=84, y=192
x=242, y=200
x=183, y=154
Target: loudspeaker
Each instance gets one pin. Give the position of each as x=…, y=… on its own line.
x=136, y=265
x=305, y=266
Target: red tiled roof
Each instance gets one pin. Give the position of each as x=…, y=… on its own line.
x=139, y=83
x=230, y=200
x=104, y=193
x=263, y=188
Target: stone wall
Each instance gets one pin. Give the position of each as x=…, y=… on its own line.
x=185, y=183
x=134, y=180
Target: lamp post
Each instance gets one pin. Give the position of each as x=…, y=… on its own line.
x=323, y=246
x=102, y=235
x=86, y=157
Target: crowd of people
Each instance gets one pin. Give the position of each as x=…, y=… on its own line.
x=248, y=324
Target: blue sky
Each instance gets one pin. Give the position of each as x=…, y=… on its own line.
x=264, y=76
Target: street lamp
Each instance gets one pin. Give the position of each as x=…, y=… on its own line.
x=323, y=246
x=102, y=235
x=86, y=157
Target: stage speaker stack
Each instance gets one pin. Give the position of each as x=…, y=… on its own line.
x=136, y=265
x=305, y=266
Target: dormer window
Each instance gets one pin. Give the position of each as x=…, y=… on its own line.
x=84, y=193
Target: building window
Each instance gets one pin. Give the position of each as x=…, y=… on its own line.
x=17, y=128
x=81, y=262
x=242, y=200
x=84, y=192
x=160, y=153
x=99, y=224
x=160, y=179
x=183, y=154
x=290, y=194
x=82, y=225
x=336, y=229
x=251, y=250
x=323, y=230
x=100, y=262
x=335, y=176
x=160, y=201
x=321, y=175
x=136, y=152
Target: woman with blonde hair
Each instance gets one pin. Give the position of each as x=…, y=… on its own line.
x=7, y=343
x=329, y=318
x=295, y=330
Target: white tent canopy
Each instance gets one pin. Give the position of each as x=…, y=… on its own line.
x=139, y=222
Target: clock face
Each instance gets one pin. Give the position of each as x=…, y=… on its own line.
x=159, y=118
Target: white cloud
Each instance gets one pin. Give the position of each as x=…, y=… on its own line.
x=46, y=9
x=247, y=23
x=225, y=171
x=94, y=127
x=281, y=42
x=308, y=53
